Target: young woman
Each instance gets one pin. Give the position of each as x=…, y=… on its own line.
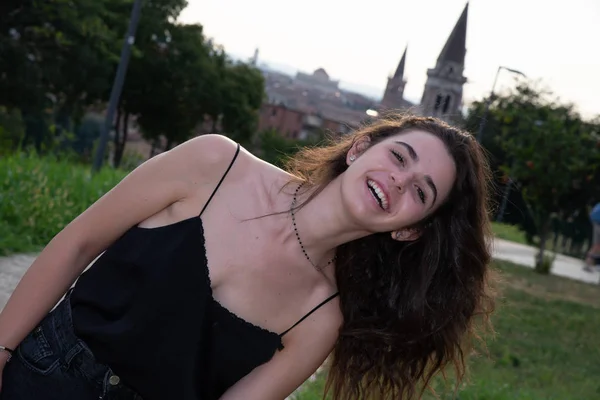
x=224, y=277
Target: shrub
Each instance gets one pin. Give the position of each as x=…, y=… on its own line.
x=39, y=195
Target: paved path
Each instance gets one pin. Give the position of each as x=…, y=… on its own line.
x=11, y=271
x=565, y=266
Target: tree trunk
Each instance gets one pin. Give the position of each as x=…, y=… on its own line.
x=571, y=250
x=62, y=121
x=116, y=136
x=555, y=241
x=120, y=148
x=544, y=236
x=36, y=129
x=152, y=149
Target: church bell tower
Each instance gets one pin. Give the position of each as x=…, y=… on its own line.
x=442, y=96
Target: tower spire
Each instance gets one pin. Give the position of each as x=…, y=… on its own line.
x=455, y=48
x=393, y=97
x=399, y=74
x=442, y=96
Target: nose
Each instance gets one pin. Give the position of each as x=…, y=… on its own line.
x=400, y=179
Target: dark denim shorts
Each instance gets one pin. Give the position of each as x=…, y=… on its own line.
x=51, y=363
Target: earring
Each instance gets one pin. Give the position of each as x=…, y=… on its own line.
x=352, y=158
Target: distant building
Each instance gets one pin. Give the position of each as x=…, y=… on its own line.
x=319, y=79
x=296, y=124
x=303, y=106
x=306, y=104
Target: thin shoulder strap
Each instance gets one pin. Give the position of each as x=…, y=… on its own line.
x=222, y=178
x=311, y=311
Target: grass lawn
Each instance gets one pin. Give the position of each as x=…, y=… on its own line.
x=40, y=195
x=547, y=344
x=508, y=232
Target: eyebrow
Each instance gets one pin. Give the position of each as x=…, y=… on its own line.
x=415, y=157
x=411, y=152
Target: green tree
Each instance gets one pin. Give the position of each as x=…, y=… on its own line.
x=243, y=94
x=275, y=148
x=11, y=130
x=171, y=88
x=151, y=82
x=184, y=85
x=56, y=58
x=549, y=152
x=236, y=95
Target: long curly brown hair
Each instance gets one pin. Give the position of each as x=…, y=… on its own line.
x=410, y=308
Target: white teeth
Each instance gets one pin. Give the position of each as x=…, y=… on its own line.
x=379, y=192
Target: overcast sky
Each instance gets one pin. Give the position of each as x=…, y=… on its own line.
x=361, y=42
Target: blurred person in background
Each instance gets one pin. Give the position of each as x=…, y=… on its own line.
x=592, y=259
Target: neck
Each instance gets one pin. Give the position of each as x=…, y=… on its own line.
x=322, y=224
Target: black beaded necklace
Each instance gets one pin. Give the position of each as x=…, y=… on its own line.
x=294, y=200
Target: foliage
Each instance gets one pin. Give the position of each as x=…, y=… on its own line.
x=58, y=60
x=275, y=148
x=546, y=346
x=243, y=91
x=86, y=135
x=40, y=195
x=213, y=94
x=155, y=90
x=55, y=57
x=131, y=160
x=552, y=156
x=12, y=130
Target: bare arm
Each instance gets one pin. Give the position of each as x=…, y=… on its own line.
x=306, y=349
x=159, y=182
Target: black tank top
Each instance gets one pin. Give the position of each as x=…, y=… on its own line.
x=146, y=309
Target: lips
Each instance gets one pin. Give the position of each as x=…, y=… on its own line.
x=380, y=195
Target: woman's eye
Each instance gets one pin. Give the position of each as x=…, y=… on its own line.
x=420, y=192
x=422, y=195
x=398, y=156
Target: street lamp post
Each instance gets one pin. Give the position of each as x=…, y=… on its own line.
x=115, y=93
x=491, y=98
x=504, y=200
x=480, y=134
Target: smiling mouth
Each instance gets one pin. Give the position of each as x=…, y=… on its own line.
x=378, y=194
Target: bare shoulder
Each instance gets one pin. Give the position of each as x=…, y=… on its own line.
x=209, y=152
x=204, y=154
x=156, y=184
